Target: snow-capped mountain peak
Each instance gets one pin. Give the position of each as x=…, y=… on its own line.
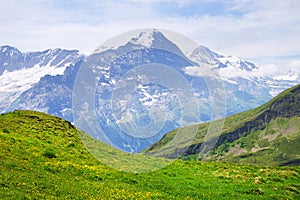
x=148, y=38
x=21, y=71
x=236, y=62
x=203, y=54
x=9, y=56
x=145, y=38
x=9, y=49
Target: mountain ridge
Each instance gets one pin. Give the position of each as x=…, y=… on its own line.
x=20, y=71
x=240, y=126
x=13, y=59
x=52, y=93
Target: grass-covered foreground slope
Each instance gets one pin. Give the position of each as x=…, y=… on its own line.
x=42, y=157
x=267, y=135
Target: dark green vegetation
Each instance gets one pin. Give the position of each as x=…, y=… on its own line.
x=42, y=157
x=268, y=135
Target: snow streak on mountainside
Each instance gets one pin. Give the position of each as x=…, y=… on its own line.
x=21, y=71
x=144, y=39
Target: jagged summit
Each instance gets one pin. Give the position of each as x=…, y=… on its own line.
x=21, y=71
x=146, y=38
x=12, y=59
x=7, y=48
x=203, y=54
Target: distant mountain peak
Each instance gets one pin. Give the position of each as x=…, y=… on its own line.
x=145, y=38
x=237, y=62
x=9, y=51
x=7, y=47
x=203, y=54
x=21, y=71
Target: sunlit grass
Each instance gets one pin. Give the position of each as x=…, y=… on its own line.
x=28, y=172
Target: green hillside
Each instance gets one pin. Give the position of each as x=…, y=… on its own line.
x=267, y=135
x=42, y=157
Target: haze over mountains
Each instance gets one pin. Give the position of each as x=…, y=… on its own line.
x=44, y=81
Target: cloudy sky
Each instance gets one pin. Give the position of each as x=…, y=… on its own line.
x=266, y=32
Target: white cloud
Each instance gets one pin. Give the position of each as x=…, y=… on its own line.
x=270, y=70
x=257, y=30
x=295, y=66
x=288, y=71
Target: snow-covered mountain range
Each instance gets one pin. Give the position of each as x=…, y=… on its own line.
x=125, y=97
x=21, y=71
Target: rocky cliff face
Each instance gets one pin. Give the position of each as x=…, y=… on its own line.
x=21, y=71
x=12, y=59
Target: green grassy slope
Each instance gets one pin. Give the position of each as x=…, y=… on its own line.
x=267, y=135
x=42, y=157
